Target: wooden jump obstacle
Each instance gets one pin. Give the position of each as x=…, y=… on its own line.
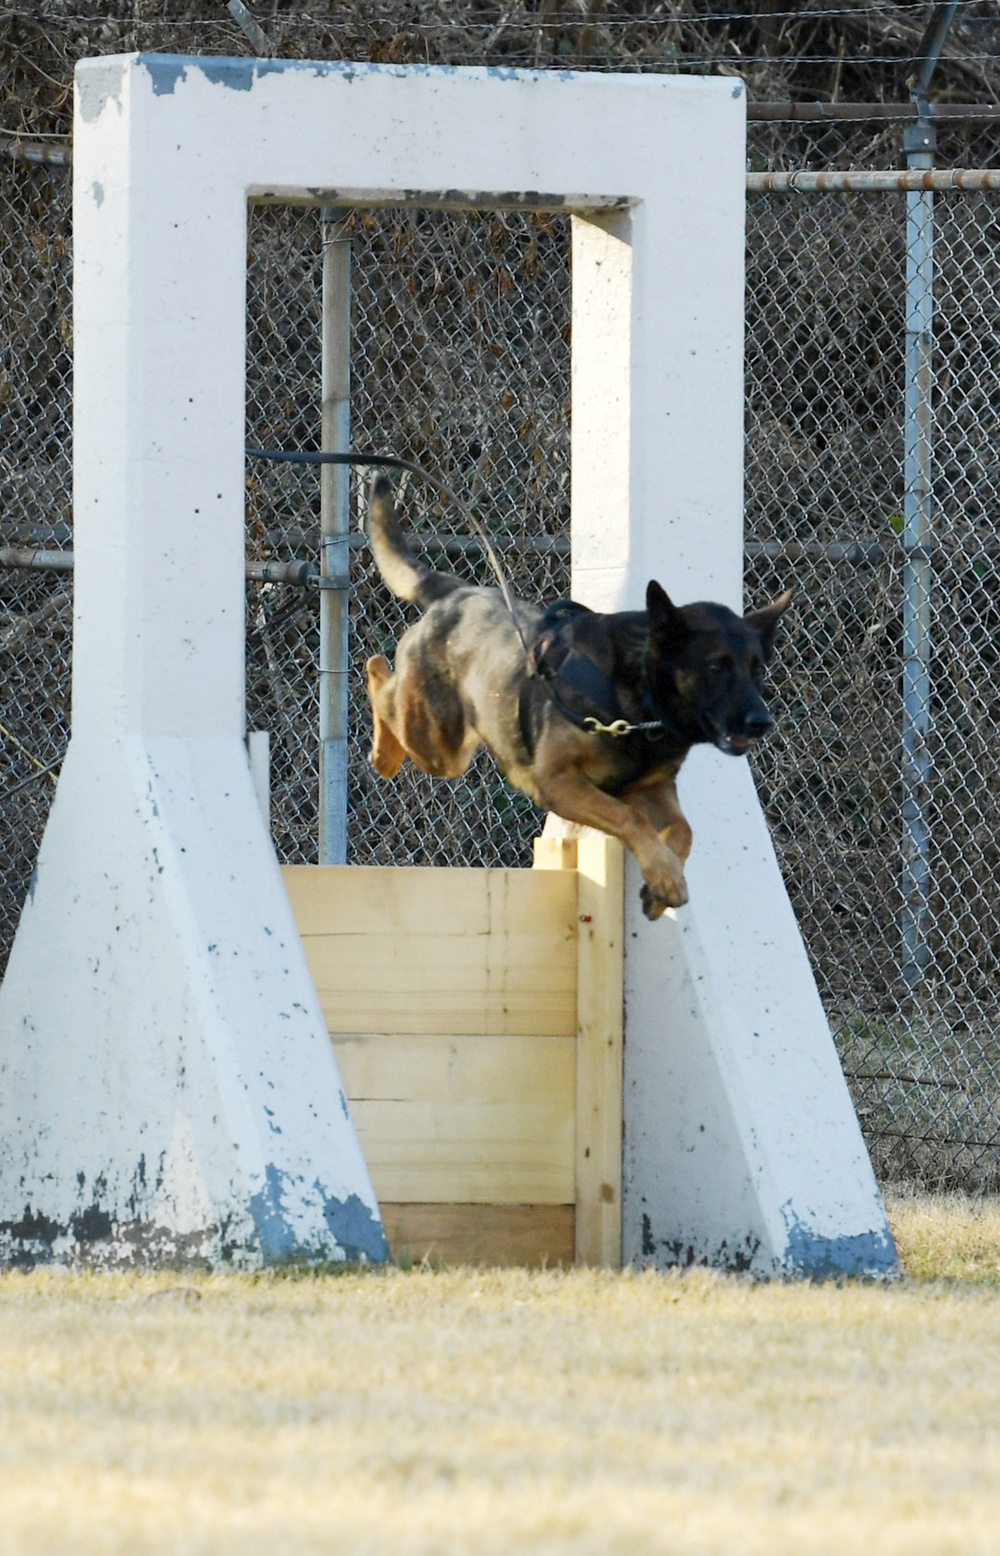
x=476, y=1017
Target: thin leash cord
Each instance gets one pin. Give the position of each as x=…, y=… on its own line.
x=391, y=462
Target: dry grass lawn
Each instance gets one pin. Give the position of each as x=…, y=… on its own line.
x=506, y=1412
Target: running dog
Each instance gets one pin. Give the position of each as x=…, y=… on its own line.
x=589, y=715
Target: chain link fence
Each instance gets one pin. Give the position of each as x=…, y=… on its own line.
x=35, y=512
x=460, y=361
x=824, y=486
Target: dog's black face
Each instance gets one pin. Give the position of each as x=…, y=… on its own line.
x=706, y=668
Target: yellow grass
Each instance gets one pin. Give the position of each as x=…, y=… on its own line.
x=947, y=1236
x=491, y=1412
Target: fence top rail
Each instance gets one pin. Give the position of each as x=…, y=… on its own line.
x=799, y=181
x=858, y=181
x=819, y=113
x=57, y=151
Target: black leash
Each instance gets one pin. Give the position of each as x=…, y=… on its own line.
x=617, y=727
x=391, y=462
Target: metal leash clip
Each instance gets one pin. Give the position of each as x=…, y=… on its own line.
x=619, y=727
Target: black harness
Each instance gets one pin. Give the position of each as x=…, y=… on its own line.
x=584, y=693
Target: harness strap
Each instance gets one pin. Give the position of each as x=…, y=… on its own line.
x=558, y=666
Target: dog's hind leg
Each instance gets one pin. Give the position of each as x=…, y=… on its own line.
x=407, y=724
x=387, y=754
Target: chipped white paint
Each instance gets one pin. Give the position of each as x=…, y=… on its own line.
x=167, y=1086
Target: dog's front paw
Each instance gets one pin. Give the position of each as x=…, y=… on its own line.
x=655, y=907
x=672, y=894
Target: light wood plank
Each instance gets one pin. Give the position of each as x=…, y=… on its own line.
x=472, y=1152
x=530, y=1235
x=554, y=853
x=393, y=1067
x=370, y=900
x=427, y=983
x=600, y=877
x=453, y=951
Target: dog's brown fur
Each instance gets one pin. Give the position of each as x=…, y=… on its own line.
x=463, y=679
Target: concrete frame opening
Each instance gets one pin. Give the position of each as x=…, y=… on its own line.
x=163, y=1049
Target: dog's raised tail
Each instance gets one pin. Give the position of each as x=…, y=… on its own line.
x=403, y=574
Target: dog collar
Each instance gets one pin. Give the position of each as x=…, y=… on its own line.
x=579, y=675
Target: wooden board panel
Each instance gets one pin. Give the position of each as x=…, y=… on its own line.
x=393, y=1067
x=554, y=853
x=531, y=1235
x=371, y=900
x=471, y=1152
x=476, y=1119
x=440, y=951
x=434, y=985
x=454, y=998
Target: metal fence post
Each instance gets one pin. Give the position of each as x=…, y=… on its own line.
x=335, y=519
x=918, y=143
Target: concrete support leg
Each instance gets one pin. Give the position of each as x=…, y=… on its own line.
x=168, y=1090
x=741, y=1146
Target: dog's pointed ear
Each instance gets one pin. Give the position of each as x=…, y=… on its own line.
x=765, y=621
x=668, y=631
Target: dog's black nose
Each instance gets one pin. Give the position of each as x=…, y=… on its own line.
x=757, y=723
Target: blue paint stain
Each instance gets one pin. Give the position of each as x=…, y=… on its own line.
x=238, y=75
x=862, y=1253
x=859, y=1253
x=356, y=1232
x=165, y=71
x=277, y=1240
x=356, y=1229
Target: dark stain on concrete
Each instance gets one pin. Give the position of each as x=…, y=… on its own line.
x=95, y=1236
x=682, y=1253
x=92, y=1225
x=33, y=1230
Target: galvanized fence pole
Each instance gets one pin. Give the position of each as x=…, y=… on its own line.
x=918, y=142
x=335, y=523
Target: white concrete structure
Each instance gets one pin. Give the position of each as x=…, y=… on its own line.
x=167, y=1084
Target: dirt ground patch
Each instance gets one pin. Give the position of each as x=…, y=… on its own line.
x=414, y=1413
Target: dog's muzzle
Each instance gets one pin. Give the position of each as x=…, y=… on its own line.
x=734, y=743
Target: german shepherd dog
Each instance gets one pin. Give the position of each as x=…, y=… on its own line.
x=589, y=715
